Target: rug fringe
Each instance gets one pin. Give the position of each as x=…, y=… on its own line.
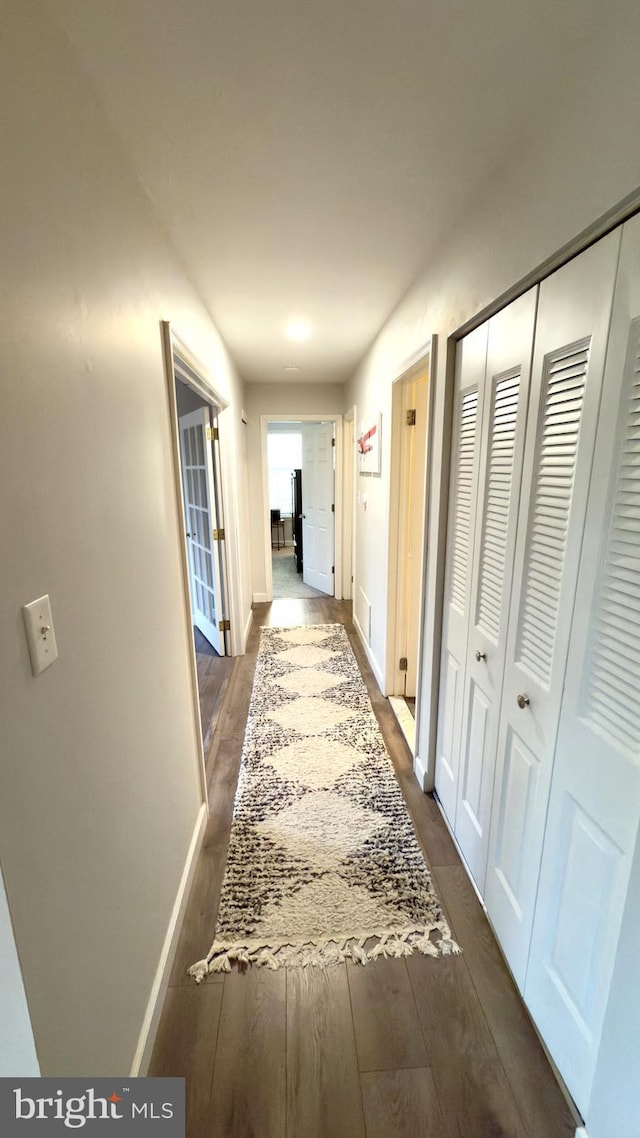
x=320, y=954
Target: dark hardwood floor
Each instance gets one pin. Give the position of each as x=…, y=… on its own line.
x=422, y=1048
x=214, y=672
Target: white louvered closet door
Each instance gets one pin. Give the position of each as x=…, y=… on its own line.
x=507, y=377
x=465, y=458
x=570, y=343
x=594, y=806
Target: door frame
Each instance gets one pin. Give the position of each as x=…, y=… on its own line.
x=179, y=362
x=349, y=503
x=338, y=489
x=423, y=359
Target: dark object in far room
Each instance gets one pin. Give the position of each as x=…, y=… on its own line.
x=277, y=523
x=296, y=517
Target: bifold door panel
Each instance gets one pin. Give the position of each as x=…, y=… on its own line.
x=594, y=806
x=507, y=374
x=570, y=343
x=465, y=463
x=538, y=750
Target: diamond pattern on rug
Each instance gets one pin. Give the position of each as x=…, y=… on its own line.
x=323, y=863
x=308, y=682
x=304, y=635
x=315, y=763
x=322, y=827
x=352, y=910
x=310, y=716
x=305, y=656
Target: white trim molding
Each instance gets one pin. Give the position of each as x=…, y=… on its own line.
x=330, y=417
x=375, y=667
x=149, y=1028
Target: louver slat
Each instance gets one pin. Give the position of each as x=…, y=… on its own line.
x=467, y=424
x=557, y=447
x=613, y=671
x=504, y=415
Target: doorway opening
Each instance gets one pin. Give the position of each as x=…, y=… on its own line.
x=198, y=471
x=301, y=507
x=410, y=419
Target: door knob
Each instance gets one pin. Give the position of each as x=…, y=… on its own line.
x=523, y=701
x=481, y=656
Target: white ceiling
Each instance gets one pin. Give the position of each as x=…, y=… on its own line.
x=306, y=155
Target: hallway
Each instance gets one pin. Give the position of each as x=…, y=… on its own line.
x=414, y=1049
x=287, y=582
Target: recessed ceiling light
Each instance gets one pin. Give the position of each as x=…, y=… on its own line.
x=291, y=368
x=298, y=329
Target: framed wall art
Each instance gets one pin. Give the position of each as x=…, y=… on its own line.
x=368, y=444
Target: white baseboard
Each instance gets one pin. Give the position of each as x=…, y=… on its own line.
x=406, y=722
x=160, y=984
x=247, y=630
x=260, y=598
x=375, y=667
x=581, y=1132
x=420, y=772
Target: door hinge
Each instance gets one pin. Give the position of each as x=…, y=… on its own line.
x=333, y=442
x=403, y=665
x=411, y=417
x=212, y=434
x=333, y=568
x=333, y=508
x=218, y=534
x=224, y=625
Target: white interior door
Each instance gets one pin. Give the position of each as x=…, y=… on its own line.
x=508, y=373
x=594, y=806
x=318, y=518
x=570, y=343
x=471, y=361
x=200, y=514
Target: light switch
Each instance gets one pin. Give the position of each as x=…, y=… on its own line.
x=40, y=634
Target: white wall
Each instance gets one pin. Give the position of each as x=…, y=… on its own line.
x=100, y=766
x=324, y=400
x=577, y=165
x=17, y=1048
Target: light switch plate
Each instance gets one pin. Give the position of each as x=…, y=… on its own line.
x=41, y=637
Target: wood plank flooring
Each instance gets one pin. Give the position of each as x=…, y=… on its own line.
x=214, y=672
x=416, y=1048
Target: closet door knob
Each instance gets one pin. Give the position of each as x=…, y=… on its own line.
x=481, y=656
x=523, y=701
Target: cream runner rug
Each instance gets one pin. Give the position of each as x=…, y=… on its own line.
x=323, y=862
